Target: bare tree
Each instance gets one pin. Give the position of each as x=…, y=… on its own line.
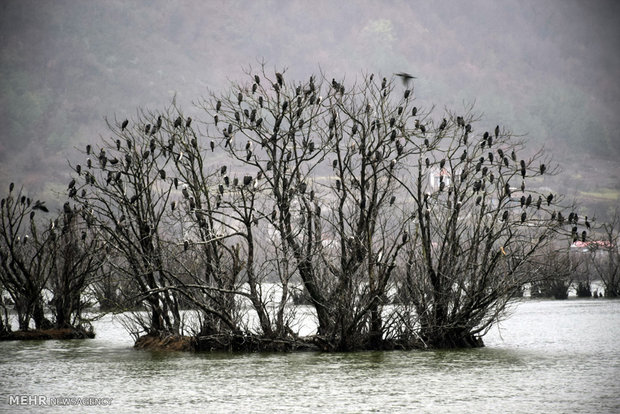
x=123, y=192
x=24, y=258
x=477, y=224
x=606, y=258
x=76, y=257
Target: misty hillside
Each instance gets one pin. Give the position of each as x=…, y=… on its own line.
x=547, y=70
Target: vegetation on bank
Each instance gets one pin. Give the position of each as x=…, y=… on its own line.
x=401, y=228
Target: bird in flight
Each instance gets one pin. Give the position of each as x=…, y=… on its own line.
x=405, y=77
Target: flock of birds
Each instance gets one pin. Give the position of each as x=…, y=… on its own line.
x=498, y=157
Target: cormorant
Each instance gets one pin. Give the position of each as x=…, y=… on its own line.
x=88, y=148
x=71, y=184
x=405, y=78
x=523, y=217
x=496, y=131
x=583, y=236
x=279, y=78
x=178, y=122
x=414, y=111
x=185, y=192
x=239, y=98
x=383, y=83
x=124, y=124
x=218, y=106
x=443, y=124
x=162, y=174
x=543, y=168
x=188, y=122
x=223, y=170
x=392, y=200
x=587, y=222
x=549, y=199
x=147, y=128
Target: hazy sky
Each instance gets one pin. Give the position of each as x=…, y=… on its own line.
x=546, y=68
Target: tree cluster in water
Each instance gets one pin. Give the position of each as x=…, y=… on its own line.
x=389, y=227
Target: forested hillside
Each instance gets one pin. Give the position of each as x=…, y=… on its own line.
x=547, y=70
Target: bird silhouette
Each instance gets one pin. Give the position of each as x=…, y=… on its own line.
x=405, y=78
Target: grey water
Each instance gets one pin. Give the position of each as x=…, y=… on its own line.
x=547, y=356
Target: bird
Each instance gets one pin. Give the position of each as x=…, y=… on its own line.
x=124, y=124
x=587, y=222
x=239, y=98
x=279, y=78
x=40, y=205
x=188, y=122
x=405, y=78
x=496, y=131
x=257, y=79
x=543, y=168
x=178, y=122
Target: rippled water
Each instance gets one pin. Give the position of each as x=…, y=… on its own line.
x=548, y=356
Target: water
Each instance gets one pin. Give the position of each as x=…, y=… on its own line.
x=548, y=356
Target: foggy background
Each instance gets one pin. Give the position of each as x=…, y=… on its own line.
x=546, y=70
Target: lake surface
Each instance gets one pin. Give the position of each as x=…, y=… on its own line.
x=548, y=356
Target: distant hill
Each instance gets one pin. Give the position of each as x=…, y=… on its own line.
x=545, y=69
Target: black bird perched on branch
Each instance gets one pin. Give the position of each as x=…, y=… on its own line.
x=496, y=131
x=405, y=78
x=279, y=78
x=583, y=236
x=188, y=122
x=124, y=124
x=587, y=222
x=178, y=122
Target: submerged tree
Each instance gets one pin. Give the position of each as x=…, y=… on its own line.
x=606, y=257
x=357, y=174
x=400, y=228
x=56, y=263
x=124, y=192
